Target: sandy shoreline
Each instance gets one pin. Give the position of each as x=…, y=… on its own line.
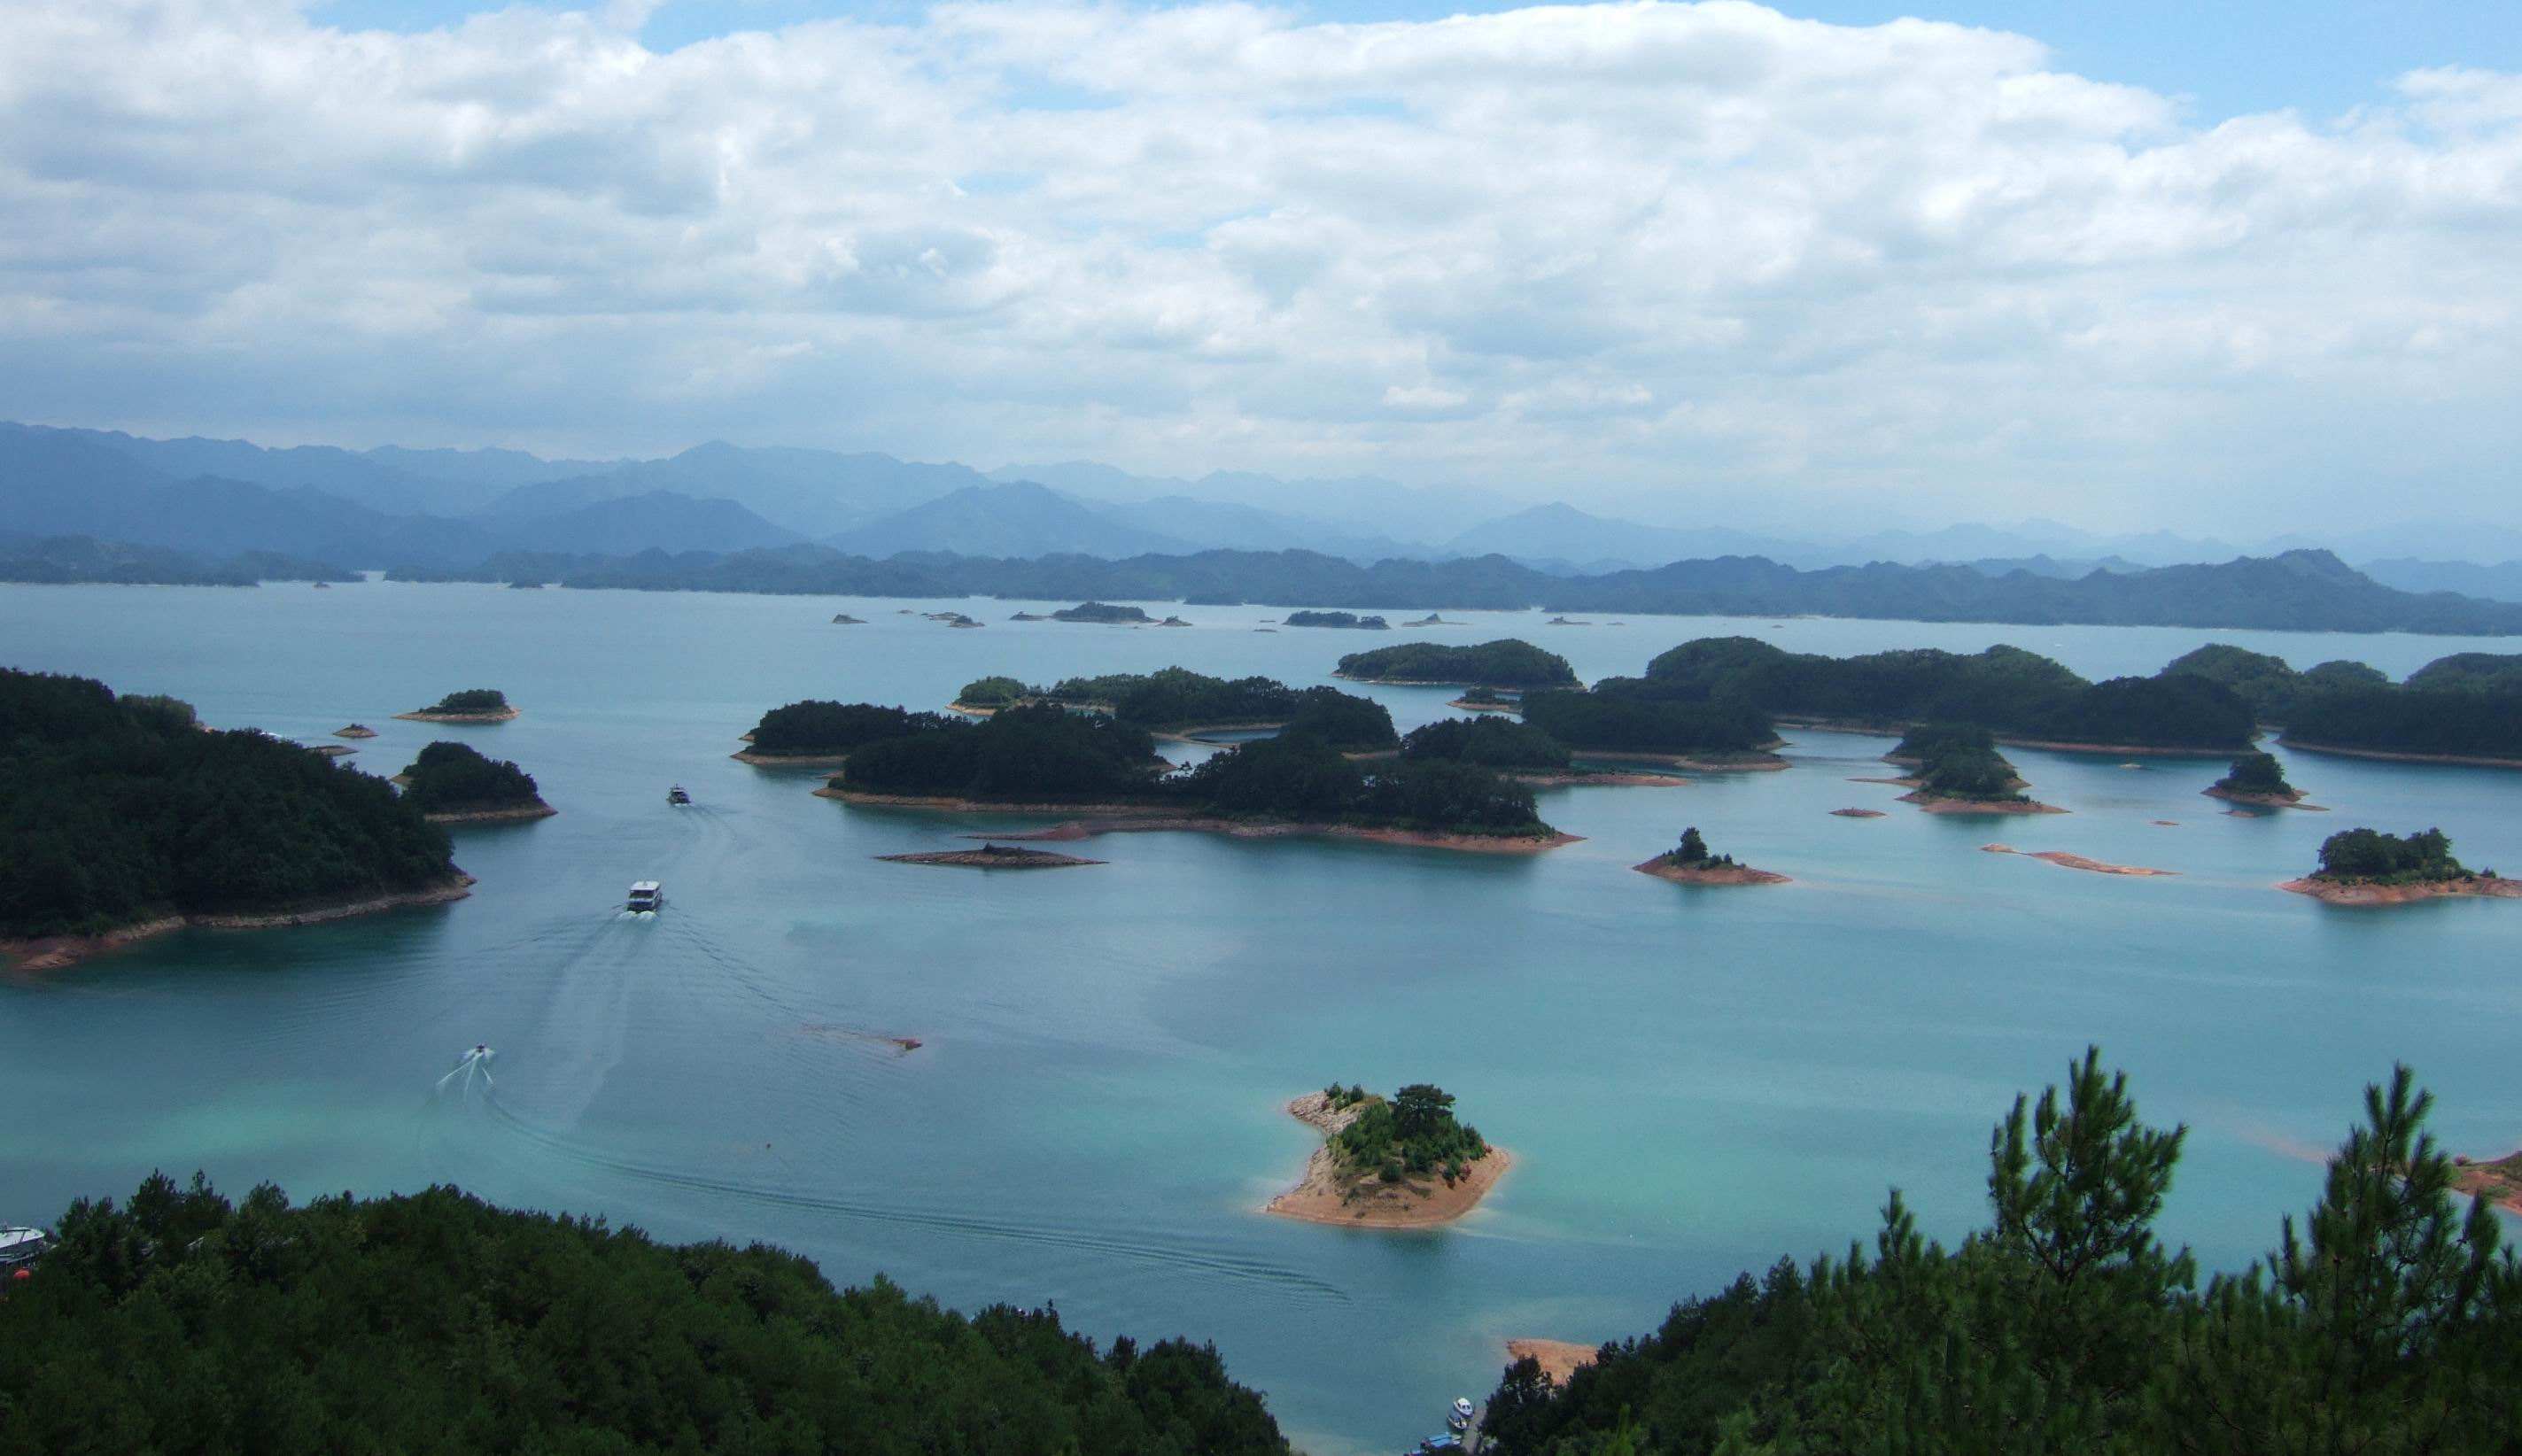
x=1605, y=780
x=1708, y=874
x=1482, y=707
x=424, y=716
x=52, y=952
x=1934, y=805
x=2360, y=894
x=2466, y=760
x=508, y=814
x=1326, y=1196
x=2500, y=1182
x=2055, y=745
x=2065, y=860
x=790, y=760
x=1240, y=829
x=2265, y=800
x=1558, y=1358
x=992, y=857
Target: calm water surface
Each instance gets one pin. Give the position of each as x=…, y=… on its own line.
x=1693, y=1081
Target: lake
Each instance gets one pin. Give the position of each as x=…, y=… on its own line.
x=1693, y=1082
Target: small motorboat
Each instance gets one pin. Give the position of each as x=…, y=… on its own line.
x=21, y=1247
x=676, y=796
x=646, y=895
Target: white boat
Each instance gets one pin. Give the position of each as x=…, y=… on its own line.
x=646, y=895
x=676, y=796
x=20, y=1246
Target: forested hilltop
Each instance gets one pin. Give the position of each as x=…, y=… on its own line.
x=1502, y=663
x=122, y=810
x=2297, y=591
x=2464, y=706
x=436, y=1323
x=2386, y=1321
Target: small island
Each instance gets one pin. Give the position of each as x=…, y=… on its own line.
x=1690, y=863
x=844, y=620
x=984, y=695
x=471, y=705
x=2258, y=780
x=2364, y=867
x=2500, y=1182
x=1432, y=619
x=1502, y=663
x=1100, y=612
x=1335, y=620
x=108, y=799
x=1960, y=772
x=2066, y=861
x=1388, y=1164
x=993, y=857
x=354, y=730
x=1858, y=813
x=1487, y=701
x=451, y=783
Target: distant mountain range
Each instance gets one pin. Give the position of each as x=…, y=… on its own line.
x=440, y=511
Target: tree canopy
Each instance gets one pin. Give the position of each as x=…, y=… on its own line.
x=451, y=777
x=817, y=727
x=431, y=1322
x=1415, y=1132
x=2368, y=854
x=1018, y=755
x=1490, y=742
x=121, y=810
x=2256, y=773
x=470, y=700
x=1504, y=663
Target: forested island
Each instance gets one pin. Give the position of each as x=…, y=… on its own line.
x=1628, y=717
x=1176, y=701
x=1100, y=612
x=61, y=560
x=453, y=783
x=433, y=1322
x=470, y=705
x=104, y=802
x=1517, y=751
x=1039, y=756
x=2258, y=780
x=1334, y=620
x=2385, y=1319
x=1692, y=863
x=2022, y=697
x=1502, y=663
x=1960, y=772
x=2464, y=709
x=1406, y=1162
x=821, y=733
x=2366, y=867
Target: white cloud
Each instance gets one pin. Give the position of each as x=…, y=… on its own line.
x=1637, y=251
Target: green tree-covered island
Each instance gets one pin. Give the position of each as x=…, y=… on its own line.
x=453, y=783
x=1504, y=663
x=1692, y=863
x=1348, y=620
x=2464, y=709
x=468, y=705
x=123, y=818
x=1402, y=1163
x=1959, y=771
x=2366, y=867
x=2259, y=780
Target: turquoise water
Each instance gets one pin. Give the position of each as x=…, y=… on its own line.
x=1693, y=1082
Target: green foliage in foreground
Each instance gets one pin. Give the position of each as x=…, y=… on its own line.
x=471, y=700
x=2256, y=773
x=435, y=1322
x=115, y=811
x=1489, y=741
x=2386, y=1323
x=1414, y=1134
x=451, y=776
x=1504, y=663
x=2389, y=859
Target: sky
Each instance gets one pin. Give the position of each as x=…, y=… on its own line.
x=2216, y=268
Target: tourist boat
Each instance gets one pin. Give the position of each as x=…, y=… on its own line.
x=19, y=1246
x=1460, y=1417
x=646, y=895
x=676, y=796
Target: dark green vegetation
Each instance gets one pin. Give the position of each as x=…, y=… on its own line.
x=2299, y=590
x=1487, y=696
x=1630, y=715
x=2385, y=1322
x=1692, y=854
x=2266, y=683
x=1176, y=697
x=1932, y=740
x=2258, y=775
x=2474, y=673
x=451, y=777
x=1018, y=755
x=1489, y=741
x=471, y=700
x=1100, y=612
x=818, y=728
x=992, y=692
x=2014, y=693
x=59, y=560
x=116, y=811
x=2369, y=856
x=1334, y=620
x=1955, y=767
x=2467, y=706
x=1502, y=663
x=1297, y=777
x=435, y=1322
x=1415, y=1132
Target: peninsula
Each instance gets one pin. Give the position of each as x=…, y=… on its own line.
x=106, y=798
x=2499, y=1182
x=1690, y=863
x=453, y=783
x=2364, y=867
x=470, y=705
x=1504, y=663
x=2258, y=780
x=1406, y=1162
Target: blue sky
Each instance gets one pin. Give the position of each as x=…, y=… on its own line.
x=2225, y=57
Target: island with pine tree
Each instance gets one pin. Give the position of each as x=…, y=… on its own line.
x=1402, y=1163
x=470, y=705
x=1691, y=863
x=2259, y=780
x=2365, y=867
x=453, y=783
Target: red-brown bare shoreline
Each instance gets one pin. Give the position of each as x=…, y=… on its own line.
x=52, y=952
